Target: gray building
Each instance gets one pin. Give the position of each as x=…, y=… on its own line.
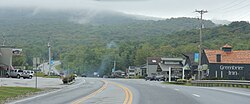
x=152, y=66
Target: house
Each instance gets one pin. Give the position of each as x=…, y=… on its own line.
x=226, y=63
x=136, y=71
x=152, y=66
x=131, y=71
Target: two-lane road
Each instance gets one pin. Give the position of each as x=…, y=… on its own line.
x=152, y=92
x=136, y=91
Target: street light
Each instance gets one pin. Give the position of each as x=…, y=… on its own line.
x=49, y=46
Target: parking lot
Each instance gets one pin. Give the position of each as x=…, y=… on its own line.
x=41, y=82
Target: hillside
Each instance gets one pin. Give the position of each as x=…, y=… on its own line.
x=92, y=46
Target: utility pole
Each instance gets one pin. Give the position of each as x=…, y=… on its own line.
x=201, y=12
x=49, y=55
x=3, y=40
x=114, y=66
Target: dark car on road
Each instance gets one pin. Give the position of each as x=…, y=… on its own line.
x=83, y=75
x=152, y=78
x=159, y=78
x=155, y=78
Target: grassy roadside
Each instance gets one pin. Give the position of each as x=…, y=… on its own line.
x=8, y=93
x=189, y=84
x=58, y=67
x=178, y=83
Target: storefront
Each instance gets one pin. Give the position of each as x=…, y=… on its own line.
x=227, y=63
x=6, y=53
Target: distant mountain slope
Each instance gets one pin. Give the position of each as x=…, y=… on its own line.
x=29, y=23
x=29, y=28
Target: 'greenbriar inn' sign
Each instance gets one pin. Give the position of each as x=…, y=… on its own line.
x=231, y=67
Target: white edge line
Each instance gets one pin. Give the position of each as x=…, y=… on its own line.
x=196, y=95
x=22, y=100
x=176, y=89
x=240, y=93
x=40, y=95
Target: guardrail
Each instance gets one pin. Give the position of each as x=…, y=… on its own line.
x=221, y=83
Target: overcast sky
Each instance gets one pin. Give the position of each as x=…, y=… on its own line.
x=217, y=9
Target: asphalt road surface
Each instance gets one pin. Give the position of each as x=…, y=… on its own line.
x=135, y=91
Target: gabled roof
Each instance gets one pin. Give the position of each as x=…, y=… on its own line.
x=190, y=59
x=234, y=57
x=227, y=46
x=119, y=71
x=131, y=67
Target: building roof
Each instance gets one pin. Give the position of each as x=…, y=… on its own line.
x=190, y=59
x=172, y=59
x=233, y=57
x=153, y=60
x=131, y=67
x=227, y=46
x=119, y=71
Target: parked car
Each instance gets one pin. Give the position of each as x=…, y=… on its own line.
x=27, y=74
x=160, y=78
x=17, y=73
x=84, y=75
x=152, y=78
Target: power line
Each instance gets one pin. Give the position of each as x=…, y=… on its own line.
x=236, y=9
x=232, y=6
x=224, y=6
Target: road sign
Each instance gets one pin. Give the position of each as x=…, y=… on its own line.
x=196, y=57
x=52, y=62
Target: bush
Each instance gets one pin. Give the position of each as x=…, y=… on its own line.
x=178, y=83
x=213, y=78
x=182, y=80
x=68, y=79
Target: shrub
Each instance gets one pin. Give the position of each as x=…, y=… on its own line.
x=182, y=80
x=68, y=79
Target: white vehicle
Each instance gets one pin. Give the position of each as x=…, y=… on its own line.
x=27, y=74
x=17, y=73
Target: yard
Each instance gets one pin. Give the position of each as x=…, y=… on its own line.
x=15, y=92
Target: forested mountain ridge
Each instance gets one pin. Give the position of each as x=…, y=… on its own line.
x=87, y=47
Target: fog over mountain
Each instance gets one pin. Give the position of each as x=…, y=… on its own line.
x=220, y=10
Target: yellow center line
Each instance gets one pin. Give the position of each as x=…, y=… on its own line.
x=128, y=94
x=92, y=94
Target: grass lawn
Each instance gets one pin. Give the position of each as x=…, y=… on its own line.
x=13, y=92
x=176, y=83
x=189, y=84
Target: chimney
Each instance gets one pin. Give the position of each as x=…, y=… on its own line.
x=227, y=48
x=218, y=57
